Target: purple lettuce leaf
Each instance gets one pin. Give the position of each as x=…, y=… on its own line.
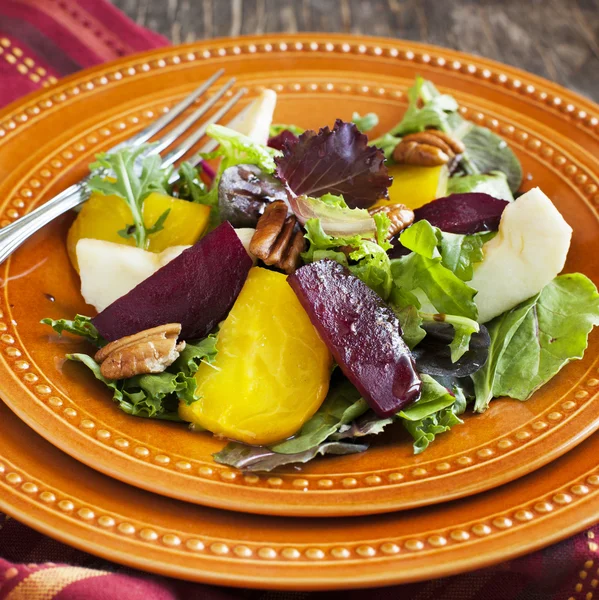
x=337, y=161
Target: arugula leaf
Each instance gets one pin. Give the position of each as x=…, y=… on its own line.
x=342, y=405
x=460, y=252
x=190, y=185
x=132, y=187
x=277, y=128
x=259, y=458
x=533, y=341
x=367, y=122
x=80, y=325
x=157, y=395
x=494, y=183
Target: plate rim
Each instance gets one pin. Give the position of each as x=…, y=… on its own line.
x=268, y=38
x=74, y=527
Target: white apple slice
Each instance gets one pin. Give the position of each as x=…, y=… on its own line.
x=529, y=250
x=108, y=270
x=245, y=234
x=255, y=120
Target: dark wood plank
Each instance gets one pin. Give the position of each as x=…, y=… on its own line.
x=557, y=39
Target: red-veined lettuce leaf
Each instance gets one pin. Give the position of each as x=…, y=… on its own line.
x=335, y=161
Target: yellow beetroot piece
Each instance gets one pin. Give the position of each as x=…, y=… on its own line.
x=102, y=217
x=271, y=372
x=415, y=186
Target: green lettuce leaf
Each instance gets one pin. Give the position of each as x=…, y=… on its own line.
x=196, y=352
x=533, y=341
x=488, y=152
x=411, y=321
x=423, y=275
x=80, y=325
x=433, y=398
x=365, y=123
x=372, y=264
x=460, y=252
x=425, y=430
x=116, y=173
x=342, y=405
x=463, y=329
x=444, y=290
x=427, y=108
x=157, y=395
x=495, y=184
x=236, y=148
x=421, y=238
x=435, y=412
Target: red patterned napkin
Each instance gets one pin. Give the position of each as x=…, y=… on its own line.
x=567, y=571
x=40, y=41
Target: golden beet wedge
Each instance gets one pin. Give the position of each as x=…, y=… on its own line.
x=416, y=186
x=102, y=217
x=271, y=372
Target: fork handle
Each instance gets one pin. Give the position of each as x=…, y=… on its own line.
x=13, y=235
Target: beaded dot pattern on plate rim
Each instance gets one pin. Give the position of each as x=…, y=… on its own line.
x=34, y=186
x=387, y=50
x=15, y=481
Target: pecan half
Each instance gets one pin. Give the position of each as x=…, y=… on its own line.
x=278, y=241
x=399, y=215
x=428, y=148
x=149, y=351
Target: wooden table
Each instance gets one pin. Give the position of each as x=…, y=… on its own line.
x=558, y=39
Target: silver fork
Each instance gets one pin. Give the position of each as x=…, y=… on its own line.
x=13, y=235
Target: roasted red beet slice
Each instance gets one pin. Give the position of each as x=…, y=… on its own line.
x=196, y=289
x=362, y=333
x=463, y=213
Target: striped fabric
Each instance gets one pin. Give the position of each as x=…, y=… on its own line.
x=40, y=41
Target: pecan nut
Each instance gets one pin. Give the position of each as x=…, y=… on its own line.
x=428, y=148
x=278, y=241
x=149, y=351
x=399, y=215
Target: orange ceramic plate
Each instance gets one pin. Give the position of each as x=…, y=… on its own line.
x=48, y=139
x=60, y=497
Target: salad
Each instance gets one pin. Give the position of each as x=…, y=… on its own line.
x=302, y=291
